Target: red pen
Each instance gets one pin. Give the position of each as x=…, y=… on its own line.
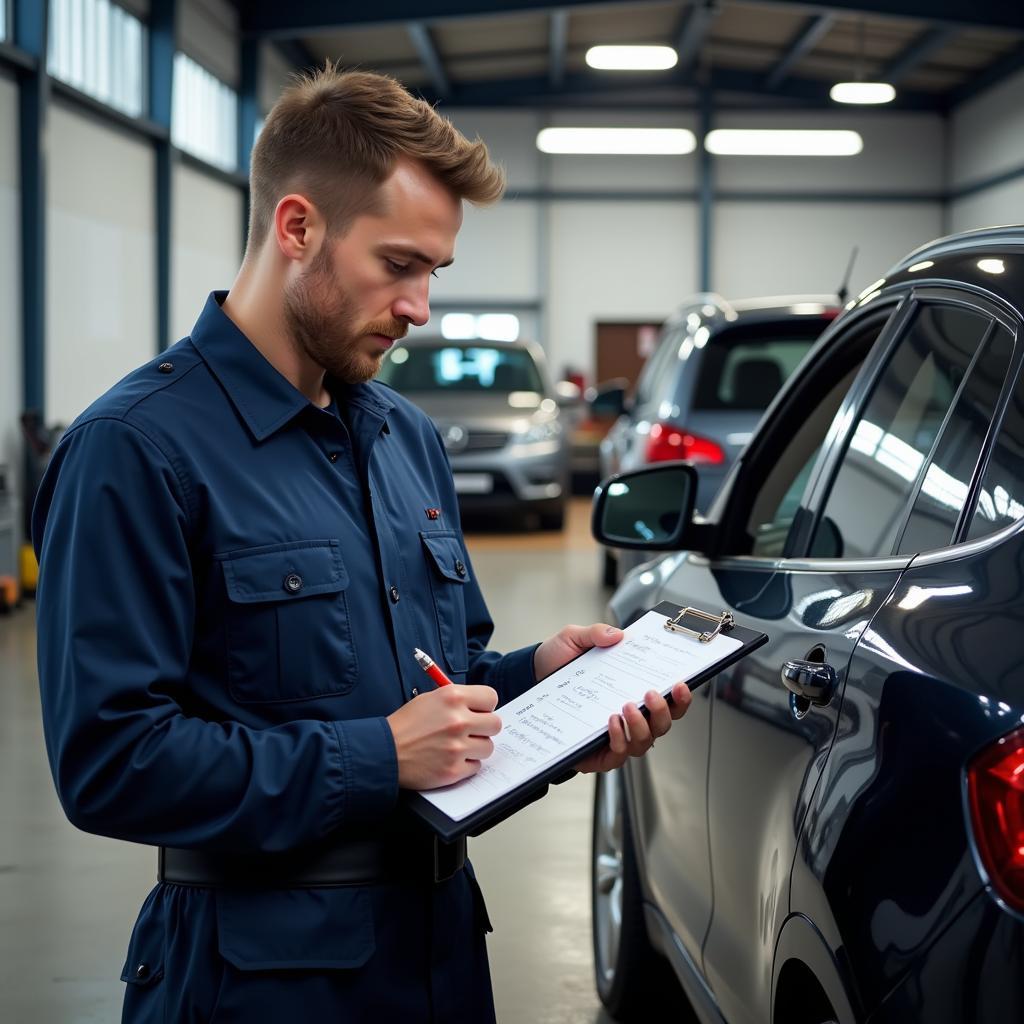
x=427, y=663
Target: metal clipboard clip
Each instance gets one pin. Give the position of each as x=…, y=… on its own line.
x=725, y=621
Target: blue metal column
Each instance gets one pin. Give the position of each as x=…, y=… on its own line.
x=248, y=114
x=706, y=186
x=30, y=20
x=163, y=40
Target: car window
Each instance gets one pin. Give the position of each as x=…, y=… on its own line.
x=1001, y=499
x=947, y=480
x=892, y=439
x=743, y=368
x=461, y=368
x=801, y=428
x=654, y=369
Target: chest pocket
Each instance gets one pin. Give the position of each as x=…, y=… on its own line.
x=288, y=630
x=448, y=578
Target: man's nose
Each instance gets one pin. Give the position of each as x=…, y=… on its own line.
x=414, y=305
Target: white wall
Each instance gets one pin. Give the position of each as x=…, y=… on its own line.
x=10, y=291
x=987, y=139
x=208, y=218
x=101, y=276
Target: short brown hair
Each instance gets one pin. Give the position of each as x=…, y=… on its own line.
x=334, y=137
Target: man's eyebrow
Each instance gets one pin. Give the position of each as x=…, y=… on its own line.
x=423, y=257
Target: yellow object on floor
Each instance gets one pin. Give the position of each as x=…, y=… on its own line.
x=29, y=569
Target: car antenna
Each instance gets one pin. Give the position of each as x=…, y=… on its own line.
x=844, y=288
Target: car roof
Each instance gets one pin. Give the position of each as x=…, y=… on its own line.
x=717, y=313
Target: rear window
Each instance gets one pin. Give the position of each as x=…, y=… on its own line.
x=744, y=368
x=460, y=368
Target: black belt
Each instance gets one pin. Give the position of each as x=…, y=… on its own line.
x=419, y=858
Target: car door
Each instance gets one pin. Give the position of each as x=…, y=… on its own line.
x=767, y=744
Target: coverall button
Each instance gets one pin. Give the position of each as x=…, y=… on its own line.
x=165, y=367
x=415, y=692
x=394, y=595
x=333, y=456
x=293, y=583
x=142, y=971
x=460, y=567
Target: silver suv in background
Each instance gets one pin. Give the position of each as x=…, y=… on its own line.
x=499, y=416
x=716, y=368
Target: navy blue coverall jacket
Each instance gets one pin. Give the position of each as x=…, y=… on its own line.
x=232, y=583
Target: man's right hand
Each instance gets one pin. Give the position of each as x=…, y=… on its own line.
x=442, y=736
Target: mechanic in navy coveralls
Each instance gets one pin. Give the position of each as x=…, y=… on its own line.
x=241, y=544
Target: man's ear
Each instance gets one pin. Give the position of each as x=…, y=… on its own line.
x=298, y=228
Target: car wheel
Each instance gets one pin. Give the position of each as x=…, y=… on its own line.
x=634, y=982
x=609, y=569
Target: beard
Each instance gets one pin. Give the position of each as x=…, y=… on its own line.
x=322, y=320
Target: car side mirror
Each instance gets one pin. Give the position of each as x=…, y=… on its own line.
x=648, y=509
x=608, y=399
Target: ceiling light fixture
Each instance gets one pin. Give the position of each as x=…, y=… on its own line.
x=862, y=92
x=632, y=58
x=788, y=142
x=617, y=141
x=858, y=91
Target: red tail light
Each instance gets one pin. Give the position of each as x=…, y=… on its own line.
x=666, y=443
x=995, y=786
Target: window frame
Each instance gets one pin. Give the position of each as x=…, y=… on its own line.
x=835, y=447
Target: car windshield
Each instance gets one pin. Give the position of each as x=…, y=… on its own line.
x=476, y=367
x=744, y=368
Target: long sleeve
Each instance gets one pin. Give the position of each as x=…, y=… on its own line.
x=116, y=622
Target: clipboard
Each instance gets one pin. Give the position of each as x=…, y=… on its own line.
x=700, y=625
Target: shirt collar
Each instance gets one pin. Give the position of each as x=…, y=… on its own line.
x=265, y=400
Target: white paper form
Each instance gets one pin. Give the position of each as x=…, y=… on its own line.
x=571, y=707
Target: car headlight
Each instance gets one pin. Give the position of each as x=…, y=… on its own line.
x=538, y=432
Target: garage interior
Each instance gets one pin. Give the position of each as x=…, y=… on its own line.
x=126, y=128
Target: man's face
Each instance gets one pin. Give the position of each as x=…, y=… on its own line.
x=363, y=290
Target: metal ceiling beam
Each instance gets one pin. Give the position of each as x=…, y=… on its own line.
x=799, y=46
x=977, y=13
x=694, y=26
x=559, y=38
x=300, y=17
x=430, y=58
x=536, y=91
x=917, y=53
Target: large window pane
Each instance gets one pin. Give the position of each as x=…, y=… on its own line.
x=948, y=478
x=97, y=47
x=1001, y=501
x=892, y=440
x=204, y=118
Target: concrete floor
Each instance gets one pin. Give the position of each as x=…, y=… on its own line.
x=68, y=900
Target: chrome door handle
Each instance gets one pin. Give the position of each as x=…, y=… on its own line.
x=811, y=680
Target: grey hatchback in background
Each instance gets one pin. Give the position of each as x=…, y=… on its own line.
x=715, y=370
x=499, y=416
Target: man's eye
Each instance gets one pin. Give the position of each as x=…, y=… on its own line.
x=396, y=268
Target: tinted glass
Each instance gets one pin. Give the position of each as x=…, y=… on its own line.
x=895, y=434
x=1001, y=501
x=948, y=478
x=655, y=367
x=461, y=368
x=743, y=369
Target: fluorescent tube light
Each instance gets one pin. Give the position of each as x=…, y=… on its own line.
x=766, y=142
x=862, y=92
x=649, y=141
x=632, y=58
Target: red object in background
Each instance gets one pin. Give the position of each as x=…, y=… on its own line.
x=666, y=443
x=995, y=788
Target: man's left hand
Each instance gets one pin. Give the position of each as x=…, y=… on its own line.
x=629, y=734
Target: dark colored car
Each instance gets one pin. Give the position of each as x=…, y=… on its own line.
x=835, y=832
x=500, y=418
x=716, y=368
